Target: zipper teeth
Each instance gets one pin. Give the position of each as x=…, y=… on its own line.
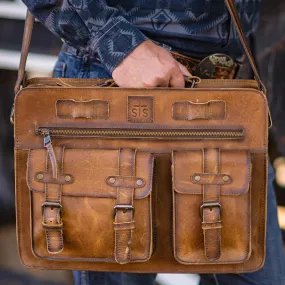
x=55, y=132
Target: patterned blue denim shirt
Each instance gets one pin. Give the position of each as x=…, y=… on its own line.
x=112, y=29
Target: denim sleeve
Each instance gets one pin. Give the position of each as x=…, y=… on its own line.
x=93, y=27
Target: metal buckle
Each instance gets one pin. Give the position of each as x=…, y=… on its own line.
x=124, y=208
x=52, y=205
x=210, y=205
x=207, y=68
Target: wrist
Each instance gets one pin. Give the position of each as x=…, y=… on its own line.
x=116, y=41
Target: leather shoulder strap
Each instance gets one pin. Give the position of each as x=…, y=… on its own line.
x=235, y=18
x=232, y=10
x=30, y=19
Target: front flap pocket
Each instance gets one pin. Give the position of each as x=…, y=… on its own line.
x=97, y=207
x=211, y=206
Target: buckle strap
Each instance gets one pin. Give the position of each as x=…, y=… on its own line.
x=211, y=208
x=124, y=209
x=52, y=209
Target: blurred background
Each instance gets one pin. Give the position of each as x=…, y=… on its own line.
x=269, y=49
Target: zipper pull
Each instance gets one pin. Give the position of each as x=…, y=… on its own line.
x=51, y=153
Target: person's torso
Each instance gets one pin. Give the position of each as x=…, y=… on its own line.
x=193, y=27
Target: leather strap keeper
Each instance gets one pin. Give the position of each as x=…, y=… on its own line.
x=47, y=177
x=208, y=178
x=124, y=226
x=125, y=182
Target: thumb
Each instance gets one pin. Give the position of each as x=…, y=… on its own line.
x=184, y=69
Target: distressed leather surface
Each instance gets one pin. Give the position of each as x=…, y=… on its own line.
x=189, y=245
x=90, y=200
x=163, y=238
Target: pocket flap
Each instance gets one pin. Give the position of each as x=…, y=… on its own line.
x=233, y=175
x=90, y=172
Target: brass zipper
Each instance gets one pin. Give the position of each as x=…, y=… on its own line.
x=181, y=134
x=51, y=153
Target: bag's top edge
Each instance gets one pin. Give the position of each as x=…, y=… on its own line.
x=91, y=82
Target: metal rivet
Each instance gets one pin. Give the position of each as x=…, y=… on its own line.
x=139, y=182
x=197, y=178
x=112, y=180
x=67, y=178
x=40, y=176
x=226, y=178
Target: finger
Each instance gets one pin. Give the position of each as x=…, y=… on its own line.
x=163, y=83
x=184, y=69
x=177, y=80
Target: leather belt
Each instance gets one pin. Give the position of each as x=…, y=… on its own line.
x=215, y=66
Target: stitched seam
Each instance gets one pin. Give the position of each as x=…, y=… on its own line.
x=52, y=181
x=137, y=127
x=130, y=244
x=119, y=183
x=150, y=219
x=218, y=175
x=118, y=189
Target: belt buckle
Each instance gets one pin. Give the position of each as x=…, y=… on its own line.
x=124, y=208
x=52, y=205
x=212, y=64
x=210, y=205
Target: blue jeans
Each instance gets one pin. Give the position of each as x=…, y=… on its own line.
x=73, y=65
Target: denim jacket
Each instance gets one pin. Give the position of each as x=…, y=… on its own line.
x=112, y=29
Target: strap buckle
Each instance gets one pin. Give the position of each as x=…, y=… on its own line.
x=52, y=205
x=125, y=208
x=210, y=205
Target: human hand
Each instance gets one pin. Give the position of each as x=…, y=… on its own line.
x=150, y=65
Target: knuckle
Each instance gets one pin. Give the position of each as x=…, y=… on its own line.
x=149, y=83
x=159, y=76
x=173, y=67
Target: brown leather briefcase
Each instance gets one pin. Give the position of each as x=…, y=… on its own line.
x=141, y=180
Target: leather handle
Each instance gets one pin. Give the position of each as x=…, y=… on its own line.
x=229, y=3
